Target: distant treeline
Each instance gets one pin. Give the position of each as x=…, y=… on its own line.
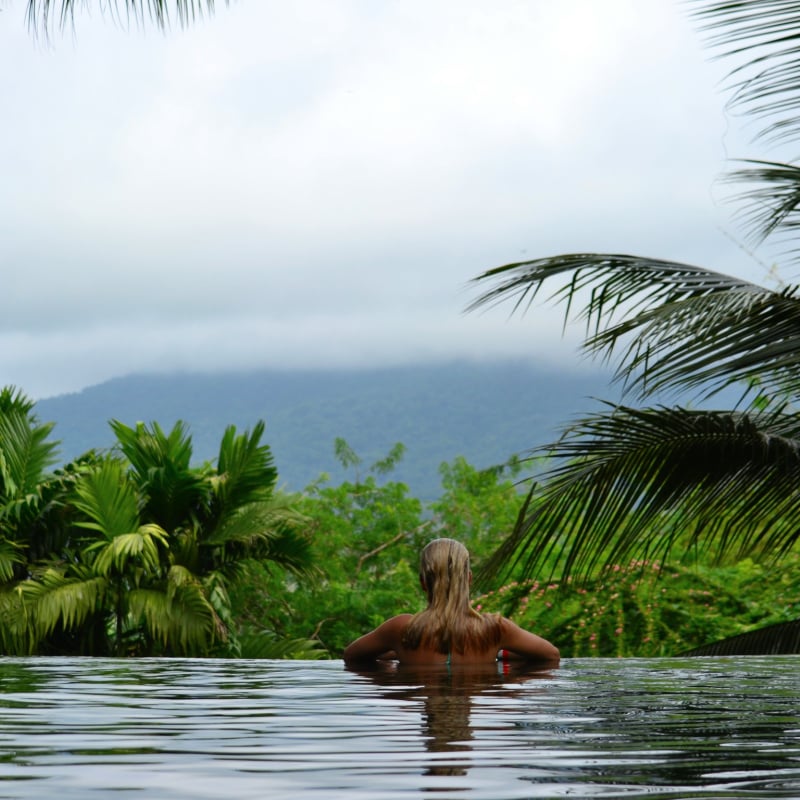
x=485, y=412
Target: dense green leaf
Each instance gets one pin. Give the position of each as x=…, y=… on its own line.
x=25, y=451
x=638, y=483
x=174, y=493
x=57, y=599
x=141, y=546
x=108, y=500
x=246, y=469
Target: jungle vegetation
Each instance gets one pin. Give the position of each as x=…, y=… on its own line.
x=651, y=483
x=135, y=551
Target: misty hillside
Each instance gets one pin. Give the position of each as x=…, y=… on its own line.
x=484, y=412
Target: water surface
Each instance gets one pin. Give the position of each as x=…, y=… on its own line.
x=180, y=728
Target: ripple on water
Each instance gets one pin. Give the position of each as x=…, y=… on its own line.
x=179, y=728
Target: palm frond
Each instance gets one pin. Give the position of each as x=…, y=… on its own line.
x=42, y=14
x=179, y=616
x=773, y=203
x=17, y=636
x=290, y=548
x=49, y=524
x=641, y=483
x=13, y=399
x=140, y=547
x=196, y=624
x=147, y=448
x=154, y=607
x=25, y=452
x=268, y=645
x=273, y=531
x=59, y=599
x=108, y=500
x=245, y=467
x=11, y=556
x=763, y=36
x=174, y=492
x=672, y=325
x=782, y=638
x=762, y=40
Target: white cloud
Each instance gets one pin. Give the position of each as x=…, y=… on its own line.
x=318, y=180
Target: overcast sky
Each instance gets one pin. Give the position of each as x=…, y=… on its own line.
x=315, y=183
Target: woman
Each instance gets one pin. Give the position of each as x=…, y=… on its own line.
x=449, y=631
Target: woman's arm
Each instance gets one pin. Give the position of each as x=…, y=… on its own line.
x=526, y=645
x=384, y=639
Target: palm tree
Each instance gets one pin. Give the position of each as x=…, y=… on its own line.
x=118, y=593
x=219, y=519
x=41, y=13
x=132, y=552
x=632, y=481
x=26, y=501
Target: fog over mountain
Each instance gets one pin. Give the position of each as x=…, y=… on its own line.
x=483, y=411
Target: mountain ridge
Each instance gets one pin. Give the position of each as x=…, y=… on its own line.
x=485, y=412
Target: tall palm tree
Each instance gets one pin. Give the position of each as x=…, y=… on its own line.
x=656, y=480
x=118, y=593
x=132, y=553
x=218, y=518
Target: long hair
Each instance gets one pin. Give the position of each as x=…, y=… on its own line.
x=449, y=623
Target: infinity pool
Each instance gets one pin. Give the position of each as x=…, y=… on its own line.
x=179, y=728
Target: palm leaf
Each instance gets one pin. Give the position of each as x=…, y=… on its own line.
x=272, y=531
x=676, y=325
x=268, y=645
x=154, y=607
x=640, y=483
x=141, y=547
x=14, y=400
x=763, y=40
x=17, y=636
x=782, y=638
x=772, y=205
x=149, y=448
x=178, y=616
x=58, y=599
x=108, y=500
x=25, y=453
x=11, y=556
x=41, y=12
x=174, y=492
x=246, y=469
x=764, y=37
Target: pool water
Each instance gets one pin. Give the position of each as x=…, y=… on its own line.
x=181, y=728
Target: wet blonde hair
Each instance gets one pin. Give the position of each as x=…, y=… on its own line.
x=449, y=623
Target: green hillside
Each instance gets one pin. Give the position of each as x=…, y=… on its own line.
x=484, y=412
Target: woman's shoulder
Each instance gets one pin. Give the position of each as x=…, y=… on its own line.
x=399, y=622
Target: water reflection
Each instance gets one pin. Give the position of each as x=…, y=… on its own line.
x=448, y=696
x=180, y=729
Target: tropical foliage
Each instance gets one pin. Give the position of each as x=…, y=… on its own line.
x=133, y=552
x=645, y=608
x=647, y=483
x=136, y=552
x=366, y=536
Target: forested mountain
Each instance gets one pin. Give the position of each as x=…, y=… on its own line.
x=484, y=412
